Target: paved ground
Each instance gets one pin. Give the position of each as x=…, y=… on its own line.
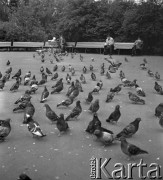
x=68, y=157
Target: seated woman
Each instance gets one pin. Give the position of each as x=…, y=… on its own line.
x=137, y=48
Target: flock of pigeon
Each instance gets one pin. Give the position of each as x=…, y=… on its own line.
x=106, y=136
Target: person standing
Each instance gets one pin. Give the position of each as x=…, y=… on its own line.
x=62, y=43
x=137, y=48
x=109, y=46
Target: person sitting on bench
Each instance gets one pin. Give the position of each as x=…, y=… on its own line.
x=137, y=48
x=109, y=46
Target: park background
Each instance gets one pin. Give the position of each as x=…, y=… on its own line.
x=83, y=20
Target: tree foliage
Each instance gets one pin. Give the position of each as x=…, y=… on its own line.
x=83, y=20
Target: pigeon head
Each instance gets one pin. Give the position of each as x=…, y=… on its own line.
x=122, y=139
x=129, y=93
x=61, y=115
x=77, y=102
x=23, y=177
x=117, y=107
x=135, y=80
x=27, y=92
x=156, y=83
x=97, y=132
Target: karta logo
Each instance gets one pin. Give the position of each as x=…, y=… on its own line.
x=100, y=168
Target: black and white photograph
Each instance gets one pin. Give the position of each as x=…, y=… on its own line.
x=81, y=89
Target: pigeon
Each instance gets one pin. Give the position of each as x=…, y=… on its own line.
x=105, y=137
x=66, y=102
x=161, y=120
x=135, y=99
x=0, y=75
x=126, y=60
x=121, y=74
x=93, y=76
x=19, y=79
x=150, y=73
x=157, y=76
x=63, y=68
x=70, y=67
x=75, y=112
x=41, y=69
x=50, y=114
x=42, y=81
x=117, y=89
x=70, y=89
x=82, y=79
x=62, y=125
x=28, y=112
x=44, y=95
x=108, y=76
x=96, y=124
x=92, y=59
x=8, y=63
x=115, y=115
x=55, y=76
x=130, y=129
x=24, y=177
x=15, y=86
x=6, y=77
x=89, y=98
x=25, y=97
x=74, y=93
x=110, y=97
x=139, y=91
x=18, y=74
x=78, y=85
x=33, y=81
x=44, y=76
x=143, y=66
x=2, y=84
x=145, y=61
x=34, y=128
x=91, y=67
x=103, y=65
x=93, y=124
x=68, y=78
x=48, y=71
x=33, y=88
x=28, y=74
x=26, y=81
x=158, y=88
x=96, y=89
x=51, y=61
x=81, y=58
x=94, y=107
x=58, y=89
x=102, y=72
x=84, y=70
x=72, y=55
x=112, y=69
x=8, y=71
x=58, y=83
x=21, y=106
x=159, y=110
x=130, y=149
x=5, y=128
x=73, y=72
x=130, y=83
x=55, y=68
x=100, y=84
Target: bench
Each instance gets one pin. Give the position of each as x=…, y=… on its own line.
x=98, y=45
x=119, y=45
